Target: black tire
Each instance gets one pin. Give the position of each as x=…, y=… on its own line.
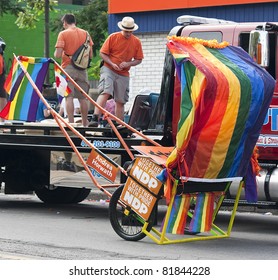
x=81, y=195
x=58, y=195
x=127, y=227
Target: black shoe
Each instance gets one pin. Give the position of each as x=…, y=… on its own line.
x=107, y=125
x=188, y=232
x=94, y=121
x=93, y=124
x=121, y=128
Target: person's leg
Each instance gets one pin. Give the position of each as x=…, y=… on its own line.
x=119, y=110
x=84, y=111
x=101, y=100
x=69, y=99
x=105, y=89
x=121, y=95
x=70, y=108
x=82, y=81
x=3, y=95
x=3, y=102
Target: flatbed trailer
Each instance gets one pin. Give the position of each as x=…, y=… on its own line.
x=33, y=158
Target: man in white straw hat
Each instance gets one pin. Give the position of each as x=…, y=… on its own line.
x=120, y=51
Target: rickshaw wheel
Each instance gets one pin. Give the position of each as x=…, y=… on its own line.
x=127, y=227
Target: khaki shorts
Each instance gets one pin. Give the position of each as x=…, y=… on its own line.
x=114, y=84
x=81, y=78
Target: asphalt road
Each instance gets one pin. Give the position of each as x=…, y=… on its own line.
x=33, y=230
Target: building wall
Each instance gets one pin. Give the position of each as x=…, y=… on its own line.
x=163, y=21
x=147, y=76
x=123, y=6
x=154, y=25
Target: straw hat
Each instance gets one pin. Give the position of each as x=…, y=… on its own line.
x=127, y=24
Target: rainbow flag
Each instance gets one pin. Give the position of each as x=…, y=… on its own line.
x=23, y=100
x=178, y=215
x=203, y=213
x=61, y=84
x=201, y=217
x=225, y=96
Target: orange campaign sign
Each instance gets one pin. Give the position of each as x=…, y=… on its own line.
x=159, y=154
x=103, y=165
x=142, y=187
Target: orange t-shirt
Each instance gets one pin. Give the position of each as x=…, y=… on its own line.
x=70, y=40
x=120, y=49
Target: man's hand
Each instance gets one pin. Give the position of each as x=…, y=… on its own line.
x=124, y=65
x=116, y=67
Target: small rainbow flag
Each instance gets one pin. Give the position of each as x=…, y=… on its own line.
x=61, y=84
x=178, y=215
x=23, y=100
x=202, y=216
x=203, y=213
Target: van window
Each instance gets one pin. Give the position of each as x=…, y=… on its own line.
x=244, y=40
x=244, y=43
x=272, y=54
x=205, y=35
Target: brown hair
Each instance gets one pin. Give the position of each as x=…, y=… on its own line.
x=68, y=18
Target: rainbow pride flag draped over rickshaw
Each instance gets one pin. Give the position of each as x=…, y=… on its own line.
x=225, y=96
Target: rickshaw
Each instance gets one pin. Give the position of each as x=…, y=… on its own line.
x=222, y=97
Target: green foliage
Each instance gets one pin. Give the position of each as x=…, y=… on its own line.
x=24, y=42
x=9, y=6
x=29, y=40
x=33, y=10
x=94, y=70
x=94, y=18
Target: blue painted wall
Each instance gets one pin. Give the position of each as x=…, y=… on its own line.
x=163, y=21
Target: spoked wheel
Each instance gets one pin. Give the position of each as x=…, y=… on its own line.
x=127, y=227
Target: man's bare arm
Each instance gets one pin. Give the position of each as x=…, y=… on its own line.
x=58, y=52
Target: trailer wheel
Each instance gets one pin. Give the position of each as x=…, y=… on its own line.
x=81, y=195
x=61, y=195
x=127, y=227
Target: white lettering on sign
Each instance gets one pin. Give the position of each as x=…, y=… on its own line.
x=104, y=162
x=134, y=188
x=144, y=178
x=135, y=203
x=267, y=141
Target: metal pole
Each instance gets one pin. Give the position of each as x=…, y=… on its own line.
x=46, y=34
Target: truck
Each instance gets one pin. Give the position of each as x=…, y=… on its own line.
x=243, y=35
x=34, y=158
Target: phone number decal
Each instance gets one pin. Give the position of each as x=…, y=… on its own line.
x=107, y=144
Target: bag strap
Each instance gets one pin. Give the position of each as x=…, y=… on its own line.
x=87, y=38
x=87, y=41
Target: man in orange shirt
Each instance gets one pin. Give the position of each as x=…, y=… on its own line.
x=3, y=93
x=68, y=41
x=120, y=51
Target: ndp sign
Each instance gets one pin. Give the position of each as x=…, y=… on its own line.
x=142, y=187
